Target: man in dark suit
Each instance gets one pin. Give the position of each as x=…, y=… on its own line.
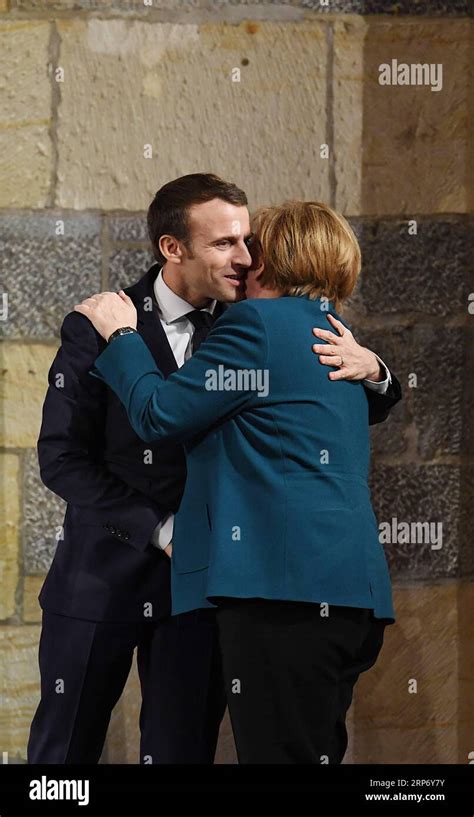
x=108, y=588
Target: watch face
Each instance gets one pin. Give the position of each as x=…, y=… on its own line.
x=123, y=330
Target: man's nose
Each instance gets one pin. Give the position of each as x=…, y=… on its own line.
x=243, y=257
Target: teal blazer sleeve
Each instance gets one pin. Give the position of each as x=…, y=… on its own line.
x=186, y=403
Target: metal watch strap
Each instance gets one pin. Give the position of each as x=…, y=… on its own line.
x=123, y=330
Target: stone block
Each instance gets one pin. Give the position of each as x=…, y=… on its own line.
x=10, y=533
x=49, y=262
x=22, y=392
x=25, y=114
x=131, y=84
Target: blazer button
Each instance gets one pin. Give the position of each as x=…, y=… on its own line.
x=126, y=535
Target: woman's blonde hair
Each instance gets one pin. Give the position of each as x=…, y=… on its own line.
x=307, y=249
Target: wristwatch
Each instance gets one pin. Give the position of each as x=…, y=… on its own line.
x=124, y=330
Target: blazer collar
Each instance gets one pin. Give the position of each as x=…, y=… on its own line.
x=149, y=323
x=172, y=306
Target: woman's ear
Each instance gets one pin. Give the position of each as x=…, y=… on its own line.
x=256, y=255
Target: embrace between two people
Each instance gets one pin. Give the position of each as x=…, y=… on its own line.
x=275, y=545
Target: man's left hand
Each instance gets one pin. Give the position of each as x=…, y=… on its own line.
x=109, y=311
x=358, y=363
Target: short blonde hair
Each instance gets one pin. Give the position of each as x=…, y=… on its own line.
x=307, y=249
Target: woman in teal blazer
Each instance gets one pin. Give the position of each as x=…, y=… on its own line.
x=276, y=526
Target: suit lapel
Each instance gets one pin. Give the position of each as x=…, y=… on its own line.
x=149, y=323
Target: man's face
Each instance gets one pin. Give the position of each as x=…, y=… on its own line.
x=217, y=264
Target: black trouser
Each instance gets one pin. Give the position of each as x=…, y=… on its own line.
x=84, y=666
x=289, y=674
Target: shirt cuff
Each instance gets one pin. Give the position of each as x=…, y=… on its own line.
x=380, y=386
x=163, y=533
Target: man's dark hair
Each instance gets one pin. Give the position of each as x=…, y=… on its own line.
x=168, y=212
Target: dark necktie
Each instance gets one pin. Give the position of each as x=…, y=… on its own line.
x=202, y=322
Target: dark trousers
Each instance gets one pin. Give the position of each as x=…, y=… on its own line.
x=290, y=673
x=84, y=666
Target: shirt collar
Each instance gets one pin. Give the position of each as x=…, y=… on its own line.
x=172, y=306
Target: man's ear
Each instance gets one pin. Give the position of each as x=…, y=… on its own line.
x=171, y=249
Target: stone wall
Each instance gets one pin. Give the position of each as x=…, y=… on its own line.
x=105, y=100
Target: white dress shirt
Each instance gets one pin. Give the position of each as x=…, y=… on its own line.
x=179, y=330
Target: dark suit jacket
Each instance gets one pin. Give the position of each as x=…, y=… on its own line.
x=117, y=487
